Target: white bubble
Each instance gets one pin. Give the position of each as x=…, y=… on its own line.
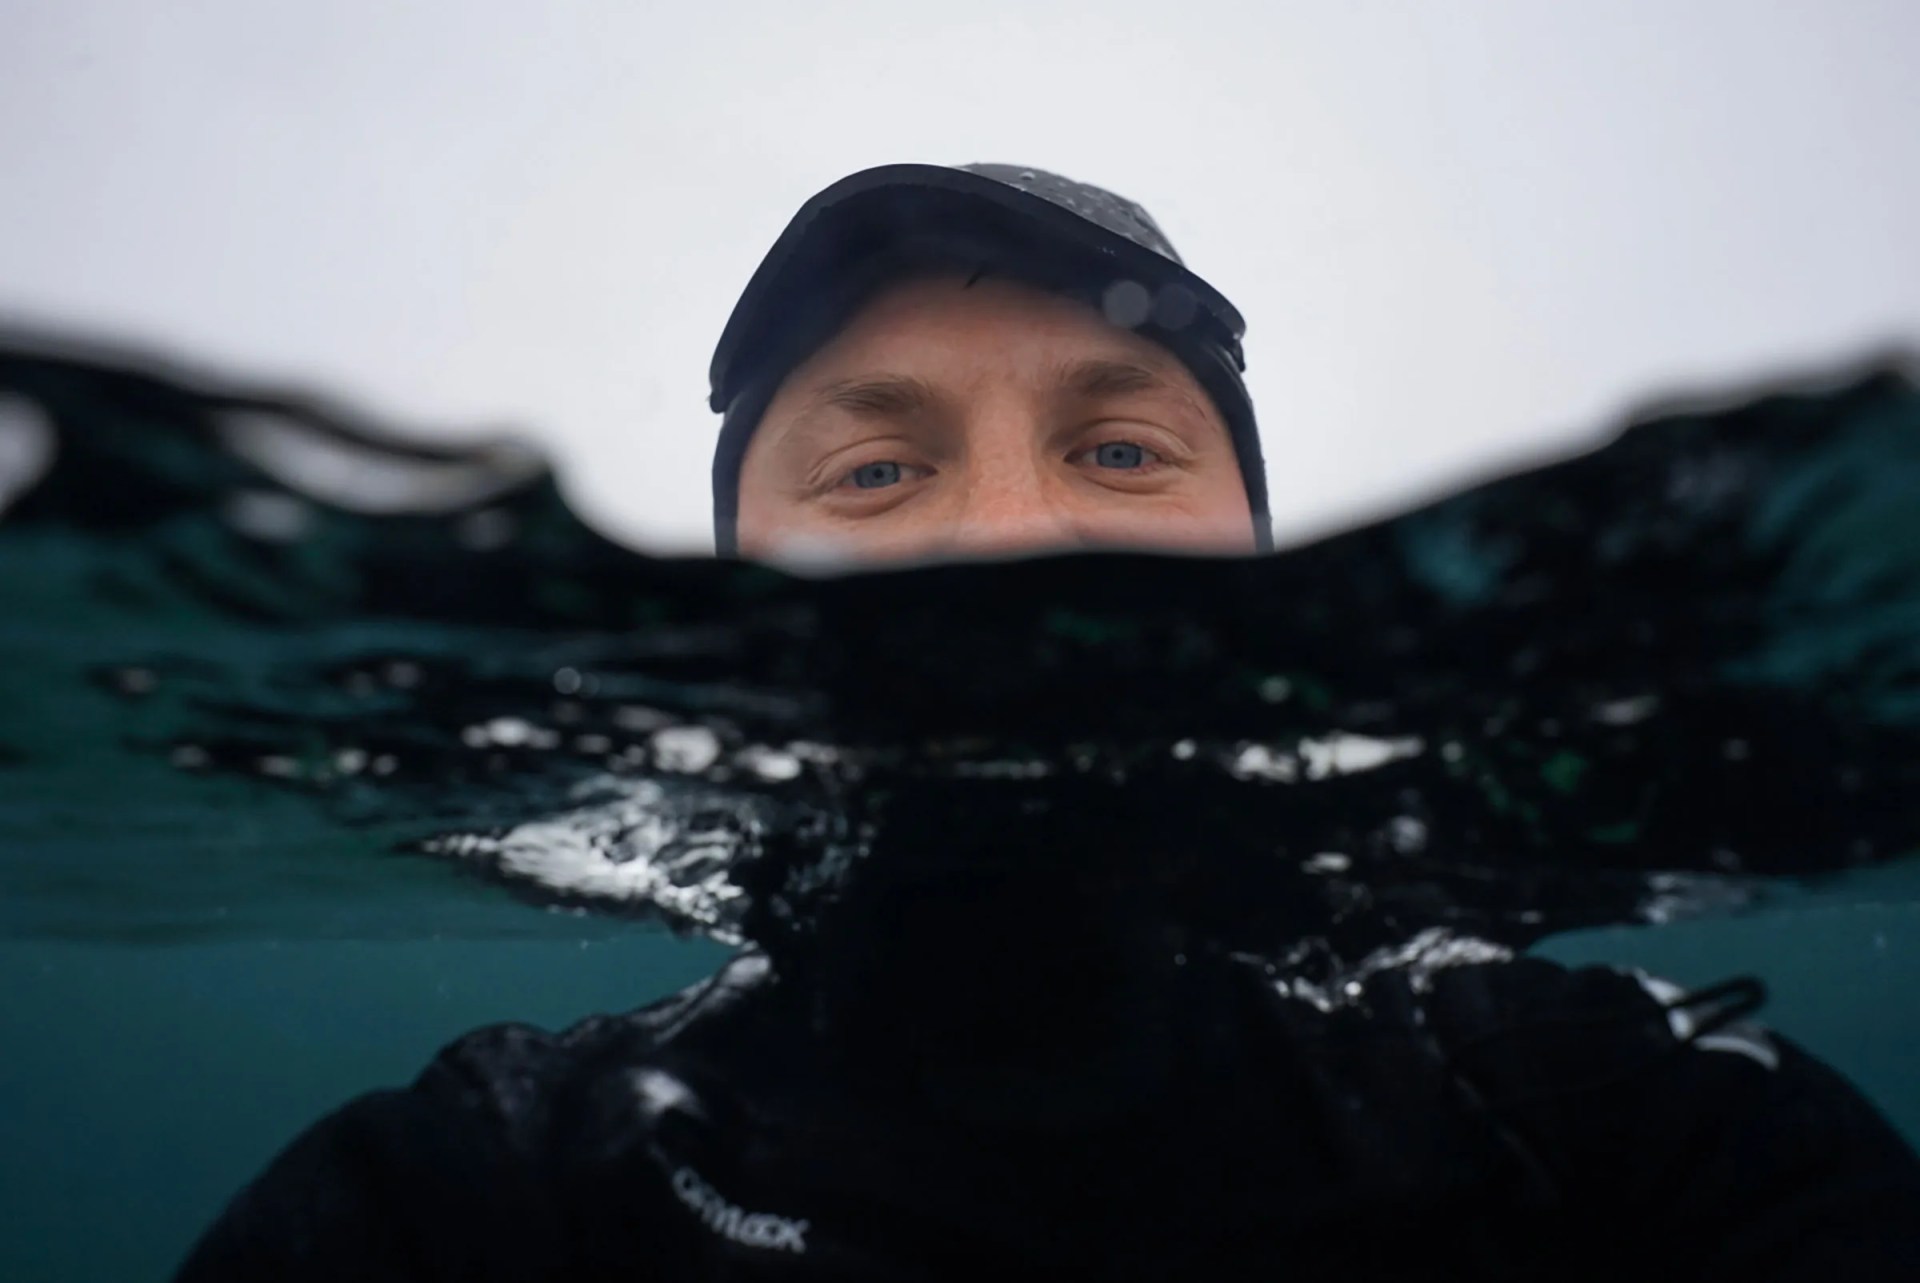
x=771, y=764
x=1407, y=834
x=1259, y=762
x=1341, y=754
x=265, y=515
x=688, y=749
x=1625, y=712
x=509, y=732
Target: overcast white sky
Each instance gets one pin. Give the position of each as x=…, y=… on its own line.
x=1461, y=232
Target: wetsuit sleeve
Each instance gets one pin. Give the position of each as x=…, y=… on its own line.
x=1783, y=1173
x=1725, y=1154
x=434, y=1182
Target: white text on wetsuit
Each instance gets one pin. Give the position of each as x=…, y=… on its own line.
x=754, y=1229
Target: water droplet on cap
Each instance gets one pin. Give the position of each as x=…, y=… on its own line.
x=1126, y=304
x=1174, y=307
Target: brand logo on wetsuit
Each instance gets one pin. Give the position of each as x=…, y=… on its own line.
x=754, y=1229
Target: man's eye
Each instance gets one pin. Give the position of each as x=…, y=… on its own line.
x=1120, y=454
x=875, y=476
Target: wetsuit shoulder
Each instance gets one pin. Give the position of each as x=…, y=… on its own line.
x=511, y=1071
x=1684, y=1130
x=456, y=1176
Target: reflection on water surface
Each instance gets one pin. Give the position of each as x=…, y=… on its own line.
x=1628, y=687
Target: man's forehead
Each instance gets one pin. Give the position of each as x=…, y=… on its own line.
x=946, y=324
x=1091, y=377
x=901, y=393
x=934, y=341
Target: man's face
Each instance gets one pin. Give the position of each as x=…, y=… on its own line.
x=955, y=419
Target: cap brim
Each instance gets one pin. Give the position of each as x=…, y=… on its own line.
x=842, y=223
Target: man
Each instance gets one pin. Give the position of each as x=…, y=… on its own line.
x=988, y=360
x=936, y=361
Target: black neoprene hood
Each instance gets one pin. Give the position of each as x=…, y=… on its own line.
x=1068, y=237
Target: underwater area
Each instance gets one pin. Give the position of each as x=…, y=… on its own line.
x=319, y=748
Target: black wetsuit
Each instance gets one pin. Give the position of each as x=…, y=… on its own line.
x=1497, y=1120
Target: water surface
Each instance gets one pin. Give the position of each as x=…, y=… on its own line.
x=318, y=748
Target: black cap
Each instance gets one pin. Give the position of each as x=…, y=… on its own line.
x=1070, y=237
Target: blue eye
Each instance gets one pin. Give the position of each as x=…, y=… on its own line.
x=1119, y=454
x=876, y=476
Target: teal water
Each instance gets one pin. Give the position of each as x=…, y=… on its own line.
x=145, y=1085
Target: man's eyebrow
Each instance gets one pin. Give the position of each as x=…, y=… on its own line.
x=899, y=395
x=878, y=395
x=887, y=397
x=1098, y=377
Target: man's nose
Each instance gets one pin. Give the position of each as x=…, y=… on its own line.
x=1008, y=509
